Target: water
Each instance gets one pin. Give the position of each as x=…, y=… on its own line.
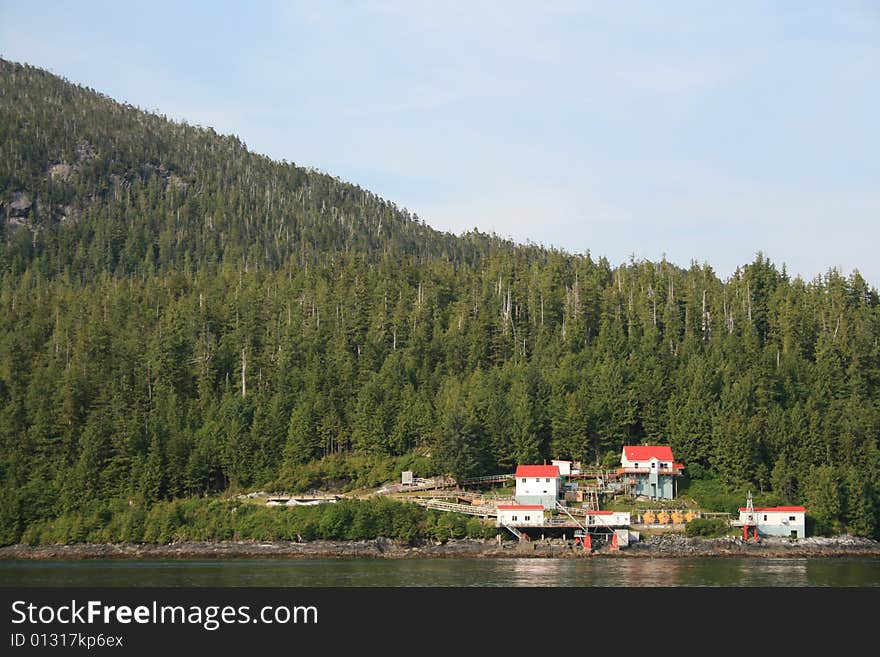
x=717, y=572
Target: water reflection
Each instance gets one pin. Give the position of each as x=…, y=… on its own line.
x=649, y=572
x=776, y=572
x=582, y=572
x=535, y=572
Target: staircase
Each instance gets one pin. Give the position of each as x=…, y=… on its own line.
x=514, y=531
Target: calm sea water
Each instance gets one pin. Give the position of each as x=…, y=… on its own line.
x=447, y=572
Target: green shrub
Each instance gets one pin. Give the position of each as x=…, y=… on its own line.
x=200, y=519
x=706, y=527
x=713, y=495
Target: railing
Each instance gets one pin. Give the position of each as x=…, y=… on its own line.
x=424, y=484
x=663, y=471
x=446, y=493
x=467, y=509
x=594, y=474
x=487, y=479
x=514, y=531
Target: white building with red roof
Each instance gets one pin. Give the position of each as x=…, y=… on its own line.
x=538, y=484
x=520, y=515
x=788, y=521
x=650, y=470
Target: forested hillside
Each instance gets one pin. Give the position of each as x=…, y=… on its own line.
x=180, y=316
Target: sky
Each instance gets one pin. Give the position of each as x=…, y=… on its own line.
x=694, y=131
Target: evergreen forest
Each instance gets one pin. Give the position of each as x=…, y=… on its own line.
x=181, y=317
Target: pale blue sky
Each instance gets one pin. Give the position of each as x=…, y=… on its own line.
x=698, y=130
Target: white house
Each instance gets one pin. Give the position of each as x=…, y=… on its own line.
x=651, y=470
x=537, y=484
x=520, y=515
x=608, y=518
x=775, y=520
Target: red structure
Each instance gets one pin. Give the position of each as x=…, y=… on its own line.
x=536, y=471
x=750, y=509
x=586, y=542
x=746, y=532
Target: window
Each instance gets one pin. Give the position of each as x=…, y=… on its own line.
x=513, y=517
x=537, y=480
x=765, y=517
x=547, y=480
x=528, y=517
x=791, y=518
x=635, y=465
x=653, y=464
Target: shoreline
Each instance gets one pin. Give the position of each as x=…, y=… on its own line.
x=668, y=546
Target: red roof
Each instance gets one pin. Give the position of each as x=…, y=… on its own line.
x=789, y=509
x=600, y=513
x=647, y=452
x=537, y=471
x=523, y=507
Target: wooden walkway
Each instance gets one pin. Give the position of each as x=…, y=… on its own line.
x=467, y=509
x=445, y=493
x=488, y=479
x=428, y=484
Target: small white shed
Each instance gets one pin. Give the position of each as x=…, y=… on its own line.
x=564, y=467
x=520, y=515
x=608, y=518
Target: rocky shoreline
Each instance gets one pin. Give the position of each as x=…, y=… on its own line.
x=676, y=545
x=659, y=546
